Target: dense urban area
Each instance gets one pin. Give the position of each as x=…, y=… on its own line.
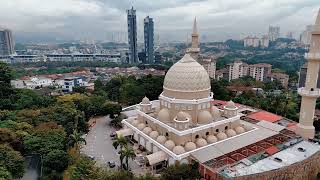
x=63, y=105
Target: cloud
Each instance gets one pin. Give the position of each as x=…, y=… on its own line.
x=97, y=19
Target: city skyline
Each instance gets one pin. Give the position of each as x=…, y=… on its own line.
x=74, y=20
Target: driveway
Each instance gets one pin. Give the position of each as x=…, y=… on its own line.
x=99, y=145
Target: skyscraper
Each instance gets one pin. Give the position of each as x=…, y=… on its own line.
x=6, y=42
x=310, y=92
x=149, y=39
x=132, y=35
x=274, y=33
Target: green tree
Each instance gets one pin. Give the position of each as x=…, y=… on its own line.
x=127, y=153
x=181, y=171
x=45, y=139
x=56, y=160
x=75, y=140
x=12, y=161
x=120, y=141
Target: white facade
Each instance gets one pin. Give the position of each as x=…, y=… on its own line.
x=237, y=70
x=33, y=83
x=251, y=42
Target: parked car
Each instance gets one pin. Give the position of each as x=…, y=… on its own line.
x=111, y=164
x=113, y=134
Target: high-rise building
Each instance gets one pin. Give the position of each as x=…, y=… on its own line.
x=260, y=71
x=264, y=42
x=6, y=42
x=274, y=33
x=310, y=92
x=251, y=42
x=194, y=50
x=149, y=39
x=132, y=35
x=237, y=69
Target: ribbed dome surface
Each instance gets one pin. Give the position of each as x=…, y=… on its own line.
x=187, y=75
x=190, y=146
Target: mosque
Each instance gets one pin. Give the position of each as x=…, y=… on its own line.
x=229, y=140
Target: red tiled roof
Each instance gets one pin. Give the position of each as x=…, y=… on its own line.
x=272, y=150
x=264, y=115
x=24, y=78
x=222, y=103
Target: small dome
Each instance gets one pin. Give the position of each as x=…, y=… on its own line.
x=141, y=126
x=230, y=105
x=215, y=112
x=182, y=116
x=154, y=134
x=204, y=117
x=161, y=139
x=212, y=139
x=147, y=130
x=231, y=133
x=239, y=130
x=164, y=115
x=247, y=127
x=157, y=109
x=135, y=122
x=145, y=100
x=222, y=136
x=169, y=144
x=189, y=146
x=178, y=150
x=131, y=119
x=201, y=142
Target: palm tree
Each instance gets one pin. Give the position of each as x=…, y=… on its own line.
x=128, y=153
x=120, y=141
x=76, y=140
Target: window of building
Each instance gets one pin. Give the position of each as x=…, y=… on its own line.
x=146, y=122
x=167, y=134
x=225, y=128
x=197, y=136
x=217, y=130
x=207, y=133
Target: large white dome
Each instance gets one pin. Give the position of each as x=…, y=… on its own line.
x=187, y=79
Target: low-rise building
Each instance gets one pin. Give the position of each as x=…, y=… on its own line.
x=32, y=82
x=281, y=77
x=70, y=83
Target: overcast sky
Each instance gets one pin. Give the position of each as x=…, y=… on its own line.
x=96, y=19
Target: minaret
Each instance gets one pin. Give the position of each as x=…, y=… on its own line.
x=195, y=35
x=194, y=50
x=310, y=93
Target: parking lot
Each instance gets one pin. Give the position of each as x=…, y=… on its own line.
x=99, y=145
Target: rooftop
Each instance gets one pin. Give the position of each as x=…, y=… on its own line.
x=264, y=116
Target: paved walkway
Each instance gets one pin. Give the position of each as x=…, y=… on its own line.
x=99, y=145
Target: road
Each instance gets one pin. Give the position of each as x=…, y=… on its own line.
x=99, y=145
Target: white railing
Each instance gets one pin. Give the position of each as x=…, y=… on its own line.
x=186, y=154
x=186, y=101
x=304, y=91
x=188, y=131
x=312, y=55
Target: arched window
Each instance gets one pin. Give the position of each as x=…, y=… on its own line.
x=146, y=122
x=197, y=136
x=217, y=130
x=167, y=134
x=207, y=133
x=225, y=128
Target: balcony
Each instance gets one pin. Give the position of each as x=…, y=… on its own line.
x=311, y=93
x=312, y=56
